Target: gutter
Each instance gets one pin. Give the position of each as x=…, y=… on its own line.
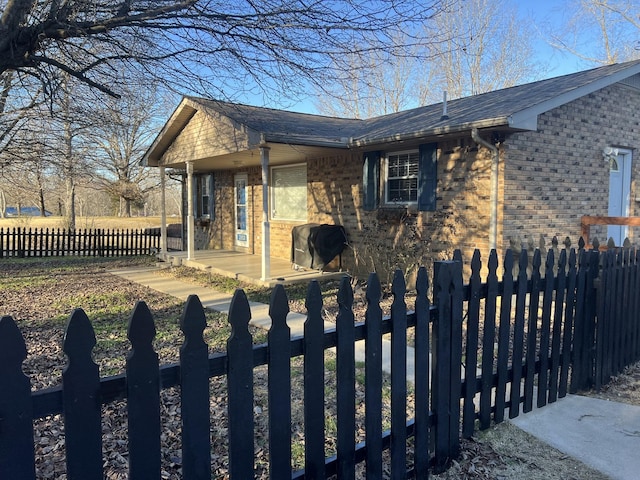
x=430, y=132
x=495, y=159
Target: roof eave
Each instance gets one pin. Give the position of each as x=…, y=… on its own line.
x=306, y=141
x=524, y=117
x=440, y=131
x=168, y=133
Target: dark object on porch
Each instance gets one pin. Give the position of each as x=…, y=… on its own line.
x=314, y=245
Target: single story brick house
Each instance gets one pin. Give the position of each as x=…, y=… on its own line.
x=474, y=172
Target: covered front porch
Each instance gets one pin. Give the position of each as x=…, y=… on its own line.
x=245, y=184
x=246, y=267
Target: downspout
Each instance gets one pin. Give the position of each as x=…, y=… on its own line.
x=495, y=159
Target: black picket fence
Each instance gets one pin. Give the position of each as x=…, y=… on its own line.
x=563, y=329
x=44, y=242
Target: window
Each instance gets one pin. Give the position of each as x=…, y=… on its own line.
x=613, y=164
x=289, y=193
x=400, y=178
x=401, y=170
x=204, y=196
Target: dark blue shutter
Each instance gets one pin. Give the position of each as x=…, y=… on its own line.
x=370, y=180
x=197, y=209
x=427, y=177
x=212, y=203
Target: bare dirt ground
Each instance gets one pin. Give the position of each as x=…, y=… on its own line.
x=502, y=452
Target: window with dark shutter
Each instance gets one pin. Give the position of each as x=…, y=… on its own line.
x=408, y=177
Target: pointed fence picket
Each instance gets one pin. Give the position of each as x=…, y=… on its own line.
x=240, y=389
x=17, y=458
x=143, y=396
x=313, y=390
x=373, y=373
x=577, y=321
x=279, y=386
x=194, y=393
x=345, y=389
x=422, y=382
x=81, y=401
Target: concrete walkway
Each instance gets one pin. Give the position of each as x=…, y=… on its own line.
x=604, y=435
x=211, y=299
x=220, y=302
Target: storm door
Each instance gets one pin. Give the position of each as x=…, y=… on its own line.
x=619, y=191
x=241, y=210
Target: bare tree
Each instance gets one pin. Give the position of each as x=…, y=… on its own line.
x=599, y=32
x=377, y=83
x=64, y=129
x=200, y=45
x=482, y=52
x=16, y=102
x=122, y=131
x=27, y=185
x=472, y=51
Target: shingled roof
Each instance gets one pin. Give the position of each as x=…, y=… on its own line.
x=282, y=126
x=515, y=107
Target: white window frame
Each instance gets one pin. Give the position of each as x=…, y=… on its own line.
x=301, y=215
x=387, y=178
x=204, y=184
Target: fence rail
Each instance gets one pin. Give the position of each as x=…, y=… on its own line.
x=587, y=221
x=27, y=242
x=569, y=329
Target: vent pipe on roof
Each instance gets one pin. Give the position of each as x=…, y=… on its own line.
x=444, y=106
x=495, y=158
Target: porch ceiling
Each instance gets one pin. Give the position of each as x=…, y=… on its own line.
x=279, y=154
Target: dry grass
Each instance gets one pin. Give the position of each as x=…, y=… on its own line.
x=85, y=222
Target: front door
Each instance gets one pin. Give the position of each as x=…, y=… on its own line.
x=242, y=210
x=619, y=191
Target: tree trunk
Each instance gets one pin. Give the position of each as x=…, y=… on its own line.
x=42, y=205
x=71, y=203
x=69, y=170
x=127, y=208
x=3, y=204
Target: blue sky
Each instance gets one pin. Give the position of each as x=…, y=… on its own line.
x=543, y=15
x=549, y=12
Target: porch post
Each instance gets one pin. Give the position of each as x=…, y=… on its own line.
x=190, y=217
x=163, y=213
x=266, y=228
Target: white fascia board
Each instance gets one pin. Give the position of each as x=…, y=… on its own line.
x=523, y=121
